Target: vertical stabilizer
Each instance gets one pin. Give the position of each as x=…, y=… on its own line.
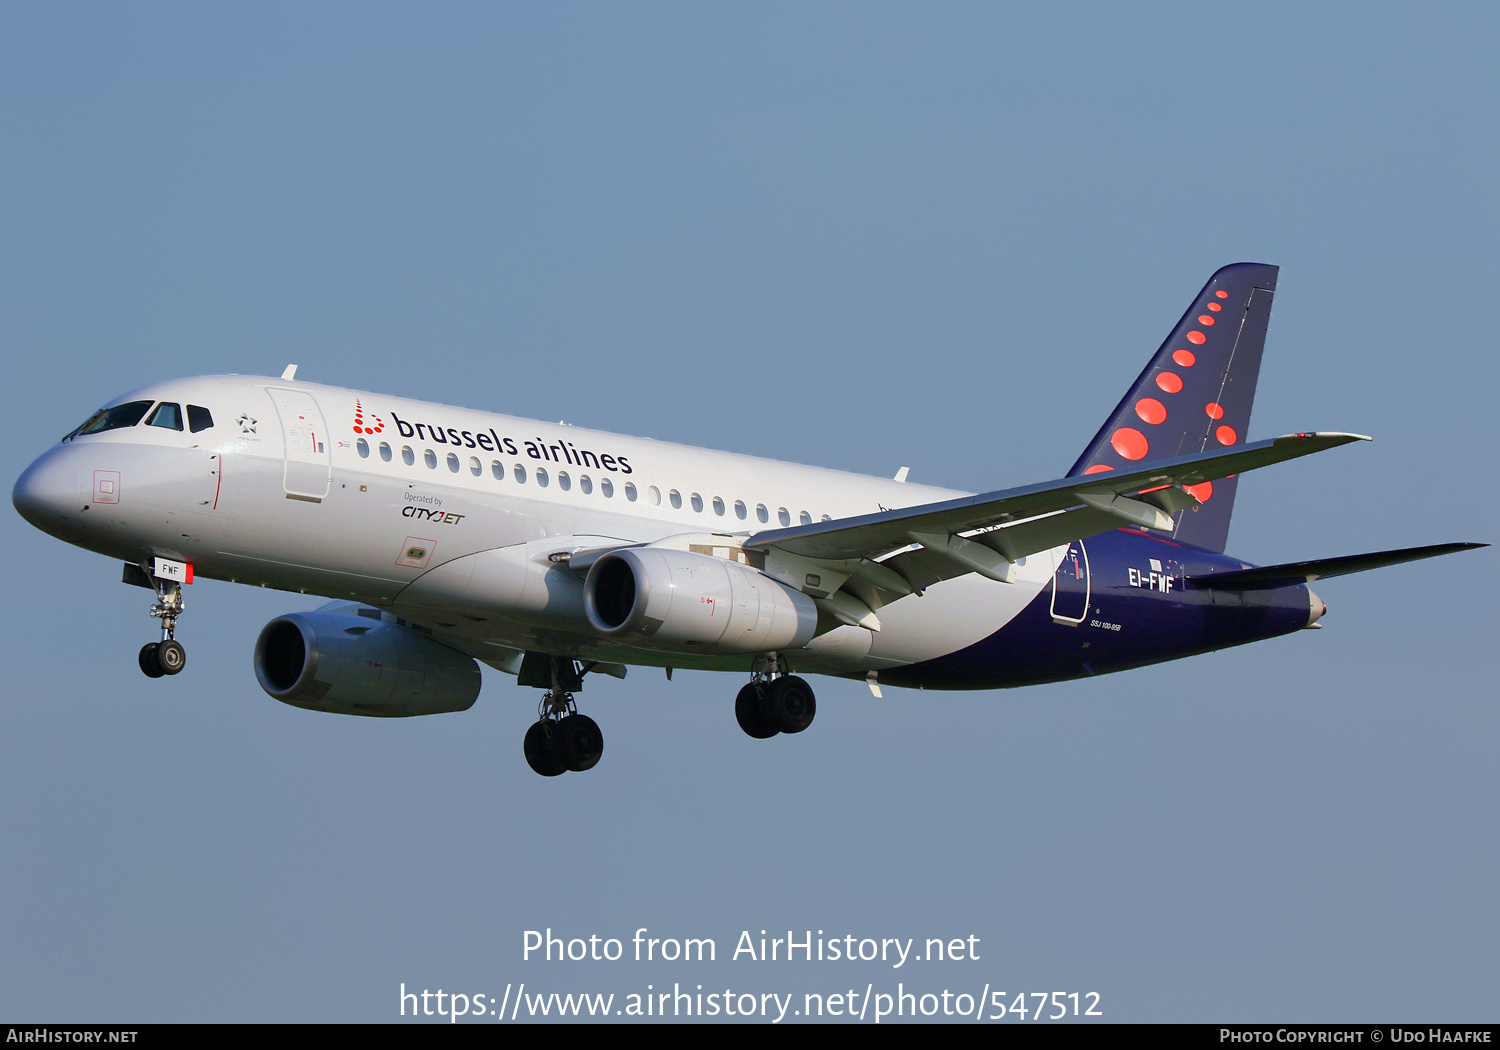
x=1195, y=395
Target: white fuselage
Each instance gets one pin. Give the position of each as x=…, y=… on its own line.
x=386, y=501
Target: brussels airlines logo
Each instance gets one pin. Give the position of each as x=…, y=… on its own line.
x=558, y=450
x=375, y=426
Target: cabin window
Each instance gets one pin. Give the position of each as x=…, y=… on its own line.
x=166, y=415
x=825, y=518
x=498, y=470
x=739, y=509
x=407, y=455
x=475, y=467
x=676, y=499
x=761, y=513
x=430, y=458
x=805, y=518
x=519, y=474
x=453, y=463
x=563, y=481
x=719, y=506
x=585, y=484
x=363, y=448
x=541, y=476
x=697, y=502
x=385, y=451
x=199, y=418
x=653, y=495
x=783, y=515
x=607, y=488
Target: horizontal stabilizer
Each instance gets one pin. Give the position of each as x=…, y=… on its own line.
x=1307, y=571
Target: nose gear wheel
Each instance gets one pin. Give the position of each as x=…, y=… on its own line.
x=166, y=657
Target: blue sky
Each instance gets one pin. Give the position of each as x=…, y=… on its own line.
x=860, y=236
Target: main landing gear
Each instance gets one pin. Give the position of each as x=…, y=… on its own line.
x=774, y=701
x=166, y=656
x=561, y=740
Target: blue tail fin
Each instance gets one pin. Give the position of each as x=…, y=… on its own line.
x=1195, y=395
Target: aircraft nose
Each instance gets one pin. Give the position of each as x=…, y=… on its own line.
x=50, y=495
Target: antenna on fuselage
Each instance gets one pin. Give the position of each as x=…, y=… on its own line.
x=901, y=474
x=290, y=373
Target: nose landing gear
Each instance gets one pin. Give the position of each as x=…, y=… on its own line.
x=166, y=656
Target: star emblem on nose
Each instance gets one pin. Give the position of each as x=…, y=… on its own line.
x=247, y=423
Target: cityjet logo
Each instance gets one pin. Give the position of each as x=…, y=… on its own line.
x=375, y=424
x=555, y=451
x=440, y=517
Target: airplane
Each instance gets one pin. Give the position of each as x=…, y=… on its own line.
x=448, y=537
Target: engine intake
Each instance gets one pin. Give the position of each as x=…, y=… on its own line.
x=665, y=599
x=351, y=665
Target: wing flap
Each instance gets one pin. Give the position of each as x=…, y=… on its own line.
x=1040, y=534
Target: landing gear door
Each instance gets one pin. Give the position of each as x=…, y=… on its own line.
x=1070, y=586
x=308, y=449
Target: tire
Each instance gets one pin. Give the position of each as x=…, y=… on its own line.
x=171, y=657
x=147, y=659
x=577, y=741
x=538, y=754
x=791, y=703
x=748, y=713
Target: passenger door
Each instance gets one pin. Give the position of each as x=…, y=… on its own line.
x=305, y=438
x=1070, y=586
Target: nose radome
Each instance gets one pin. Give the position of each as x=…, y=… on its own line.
x=49, y=494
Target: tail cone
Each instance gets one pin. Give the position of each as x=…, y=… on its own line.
x=1315, y=609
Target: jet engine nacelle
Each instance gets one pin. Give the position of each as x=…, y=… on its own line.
x=659, y=598
x=352, y=665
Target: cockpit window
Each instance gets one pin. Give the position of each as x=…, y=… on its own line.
x=126, y=415
x=199, y=418
x=166, y=415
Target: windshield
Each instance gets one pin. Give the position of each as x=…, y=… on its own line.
x=126, y=415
